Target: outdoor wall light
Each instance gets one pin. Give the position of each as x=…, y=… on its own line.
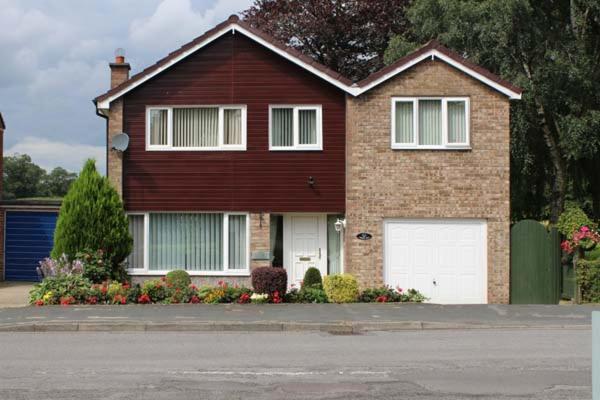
x=311, y=181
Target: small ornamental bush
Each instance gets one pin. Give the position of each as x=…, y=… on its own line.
x=342, y=288
x=269, y=280
x=96, y=267
x=312, y=278
x=155, y=289
x=588, y=279
x=179, y=279
x=571, y=220
x=306, y=295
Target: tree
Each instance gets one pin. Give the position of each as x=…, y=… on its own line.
x=551, y=50
x=348, y=36
x=57, y=182
x=92, y=217
x=21, y=177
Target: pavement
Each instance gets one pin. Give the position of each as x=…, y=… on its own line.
x=500, y=364
x=14, y=294
x=335, y=318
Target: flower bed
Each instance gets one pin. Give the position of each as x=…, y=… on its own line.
x=71, y=286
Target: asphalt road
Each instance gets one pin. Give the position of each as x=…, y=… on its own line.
x=471, y=364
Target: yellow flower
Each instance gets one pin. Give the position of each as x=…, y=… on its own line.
x=47, y=296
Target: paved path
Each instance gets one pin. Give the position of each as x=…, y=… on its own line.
x=346, y=318
x=426, y=365
x=14, y=294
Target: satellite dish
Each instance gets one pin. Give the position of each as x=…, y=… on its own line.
x=120, y=142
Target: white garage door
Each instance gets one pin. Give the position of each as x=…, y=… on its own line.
x=443, y=259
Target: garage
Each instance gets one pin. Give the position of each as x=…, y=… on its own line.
x=28, y=239
x=446, y=260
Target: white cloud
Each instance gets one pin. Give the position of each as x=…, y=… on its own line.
x=49, y=154
x=176, y=22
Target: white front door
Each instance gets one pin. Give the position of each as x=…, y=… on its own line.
x=304, y=245
x=443, y=259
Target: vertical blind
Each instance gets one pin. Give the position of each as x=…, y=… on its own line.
x=404, y=122
x=282, y=126
x=193, y=242
x=307, y=125
x=158, y=127
x=196, y=127
x=232, y=126
x=136, y=229
x=457, y=122
x=237, y=242
x=430, y=122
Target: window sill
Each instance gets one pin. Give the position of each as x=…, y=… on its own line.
x=295, y=149
x=440, y=148
x=141, y=272
x=199, y=149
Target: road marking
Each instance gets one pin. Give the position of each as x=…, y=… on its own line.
x=277, y=373
x=100, y=317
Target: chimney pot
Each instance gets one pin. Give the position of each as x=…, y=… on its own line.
x=120, y=60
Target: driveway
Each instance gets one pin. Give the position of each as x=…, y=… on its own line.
x=14, y=294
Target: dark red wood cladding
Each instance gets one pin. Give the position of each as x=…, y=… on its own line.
x=236, y=70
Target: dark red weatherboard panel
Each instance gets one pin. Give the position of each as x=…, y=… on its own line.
x=236, y=70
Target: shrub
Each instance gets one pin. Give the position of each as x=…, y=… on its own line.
x=155, y=289
x=178, y=279
x=572, y=219
x=92, y=217
x=386, y=294
x=312, y=278
x=588, y=278
x=342, y=288
x=215, y=295
x=52, y=289
x=269, y=280
x=95, y=265
x=310, y=295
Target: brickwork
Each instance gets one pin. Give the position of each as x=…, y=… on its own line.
x=384, y=183
x=115, y=158
x=2, y=213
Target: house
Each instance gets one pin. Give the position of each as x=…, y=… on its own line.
x=245, y=153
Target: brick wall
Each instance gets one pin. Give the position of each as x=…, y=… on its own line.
x=2, y=213
x=385, y=183
x=115, y=158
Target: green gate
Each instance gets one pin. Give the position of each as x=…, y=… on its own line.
x=535, y=270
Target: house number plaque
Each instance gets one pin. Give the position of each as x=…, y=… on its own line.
x=364, y=236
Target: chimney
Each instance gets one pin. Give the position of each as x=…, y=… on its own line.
x=119, y=70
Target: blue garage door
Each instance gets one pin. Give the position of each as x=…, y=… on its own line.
x=28, y=240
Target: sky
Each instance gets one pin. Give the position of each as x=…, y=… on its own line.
x=55, y=56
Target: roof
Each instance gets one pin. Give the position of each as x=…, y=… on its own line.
x=433, y=50
x=2, y=126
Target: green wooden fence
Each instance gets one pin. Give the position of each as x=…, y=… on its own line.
x=535, y=270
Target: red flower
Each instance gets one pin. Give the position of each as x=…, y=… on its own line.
x=164, y=278
x=381, y=299
x=195, y=299
x=65, y=301
x=276, y=298
x=92, y=300
x=244, y=298
x=193, y=287
x=104, y=289
x=566, y=246
x=126, y=286
x=144, y=299
x=39, y=302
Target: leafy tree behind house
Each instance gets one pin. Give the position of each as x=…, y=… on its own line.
x=348, y=36
x=23, y=178
x=551, y=50
x=92, y=217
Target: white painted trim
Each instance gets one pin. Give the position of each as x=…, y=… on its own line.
x=350, y=89
x=296, y=127
x=225, y=240
x=221, y=134
x=415, y=143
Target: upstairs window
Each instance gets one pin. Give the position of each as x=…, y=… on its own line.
x=196, y=128
x=295, y=128
x=430, y=123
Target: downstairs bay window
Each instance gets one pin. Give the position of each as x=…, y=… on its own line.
x=430, y=123
x=200, y=243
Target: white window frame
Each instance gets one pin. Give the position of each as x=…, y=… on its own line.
x=414, y=145
x=227, y=271
x=221, y=134
x=296, y=128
